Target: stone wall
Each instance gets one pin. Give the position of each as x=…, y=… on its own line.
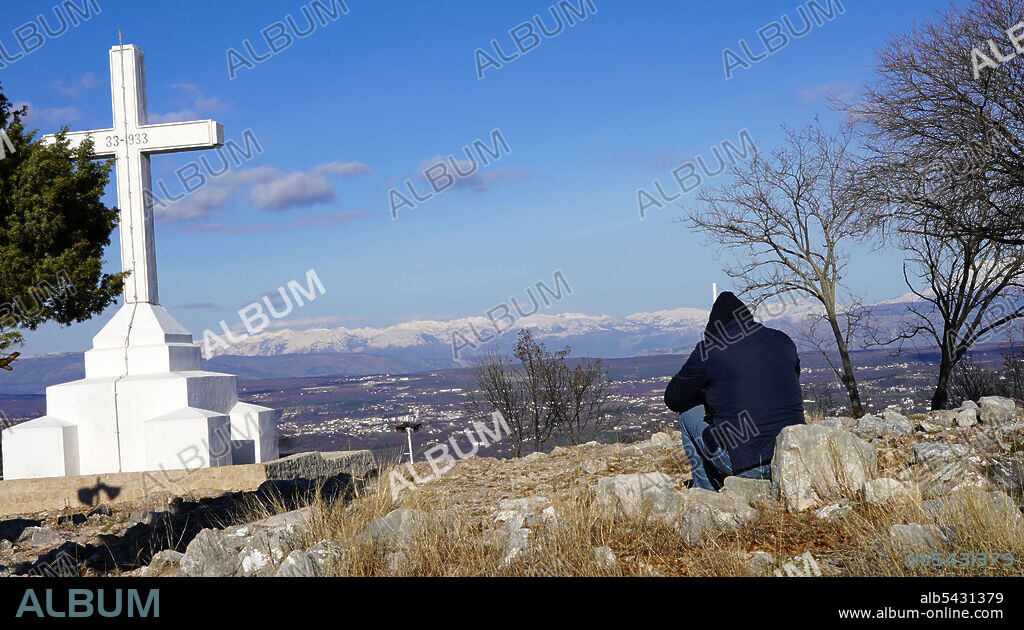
x=24, y=496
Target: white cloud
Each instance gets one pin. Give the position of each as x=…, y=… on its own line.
x=48, y=117
x=292, y=190
x=179, y=116
x=346, y=169
x=198, y=105
x=264, y=188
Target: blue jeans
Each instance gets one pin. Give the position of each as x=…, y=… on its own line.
x=710, y=468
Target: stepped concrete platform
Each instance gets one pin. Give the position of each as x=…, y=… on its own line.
x=26, y=496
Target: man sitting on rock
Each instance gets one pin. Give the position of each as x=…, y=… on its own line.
x=747, y=376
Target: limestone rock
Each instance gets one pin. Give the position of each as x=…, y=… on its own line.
x=595, y=466
x=518, y=546
x=320, y=560
x=941, y=475
x=100, y=510
x=166, y=563
x=836, y=510
x=918, y=536
x=996, y=409
x=936, y=450
x=761, y=561
x=967, y=418
x=513, y=514
x=297, y=564
x=886, y=490
x=706, y=510
x=840, y=422
x=942, y=417
x=254, y=549
x=398, y=529
x=1006, y=473
x=39, y=538
x=752, y=491
x=639, y=494
x=605, y=558
x=814, y=465
x=895, y=417
x=647, y=569
x=888, y=424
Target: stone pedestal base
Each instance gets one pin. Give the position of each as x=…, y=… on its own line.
x=145, y=404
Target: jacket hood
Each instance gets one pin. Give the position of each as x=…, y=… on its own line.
x=727, y=312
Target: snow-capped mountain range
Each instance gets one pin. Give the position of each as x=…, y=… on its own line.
x=598, y=335
x=430, y=345
x=661, y=332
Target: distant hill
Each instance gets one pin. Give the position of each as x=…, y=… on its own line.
x=428, y=345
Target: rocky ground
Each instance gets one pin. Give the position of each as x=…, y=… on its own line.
x=847, y=497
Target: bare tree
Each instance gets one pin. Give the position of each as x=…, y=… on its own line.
x=789, y=215
x=536, y=364
x=500, y=390
x=970, y=380
x=944, y=124
x=967, y=288
x=540, y=396
x=579, y=397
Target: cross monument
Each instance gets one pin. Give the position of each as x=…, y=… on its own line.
x=130, y=142
x=145, y=403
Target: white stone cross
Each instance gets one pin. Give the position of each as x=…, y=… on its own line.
x=130, y=142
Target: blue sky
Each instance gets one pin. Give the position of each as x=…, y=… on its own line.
x=366, y=101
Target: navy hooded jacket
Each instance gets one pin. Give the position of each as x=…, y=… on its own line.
x=747, y=377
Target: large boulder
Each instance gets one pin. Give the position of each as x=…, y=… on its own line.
x=400, y=529
x=915, y=536
x=317, y=561
x=814, y=465
x=1006, y=473
x=966, y=417
x=638, y=495
x=942, y=417
x=706, y=510
x=529, y=512
x=166, y=563
x=515, y=520
x=886, y=490
x=838, y=422
x=397, y=529
x=40, y=538
x=752, y=491
x=887, y=424
x=253, y=549
x=996, y=409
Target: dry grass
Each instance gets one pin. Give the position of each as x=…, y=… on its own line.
x=462, y=543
